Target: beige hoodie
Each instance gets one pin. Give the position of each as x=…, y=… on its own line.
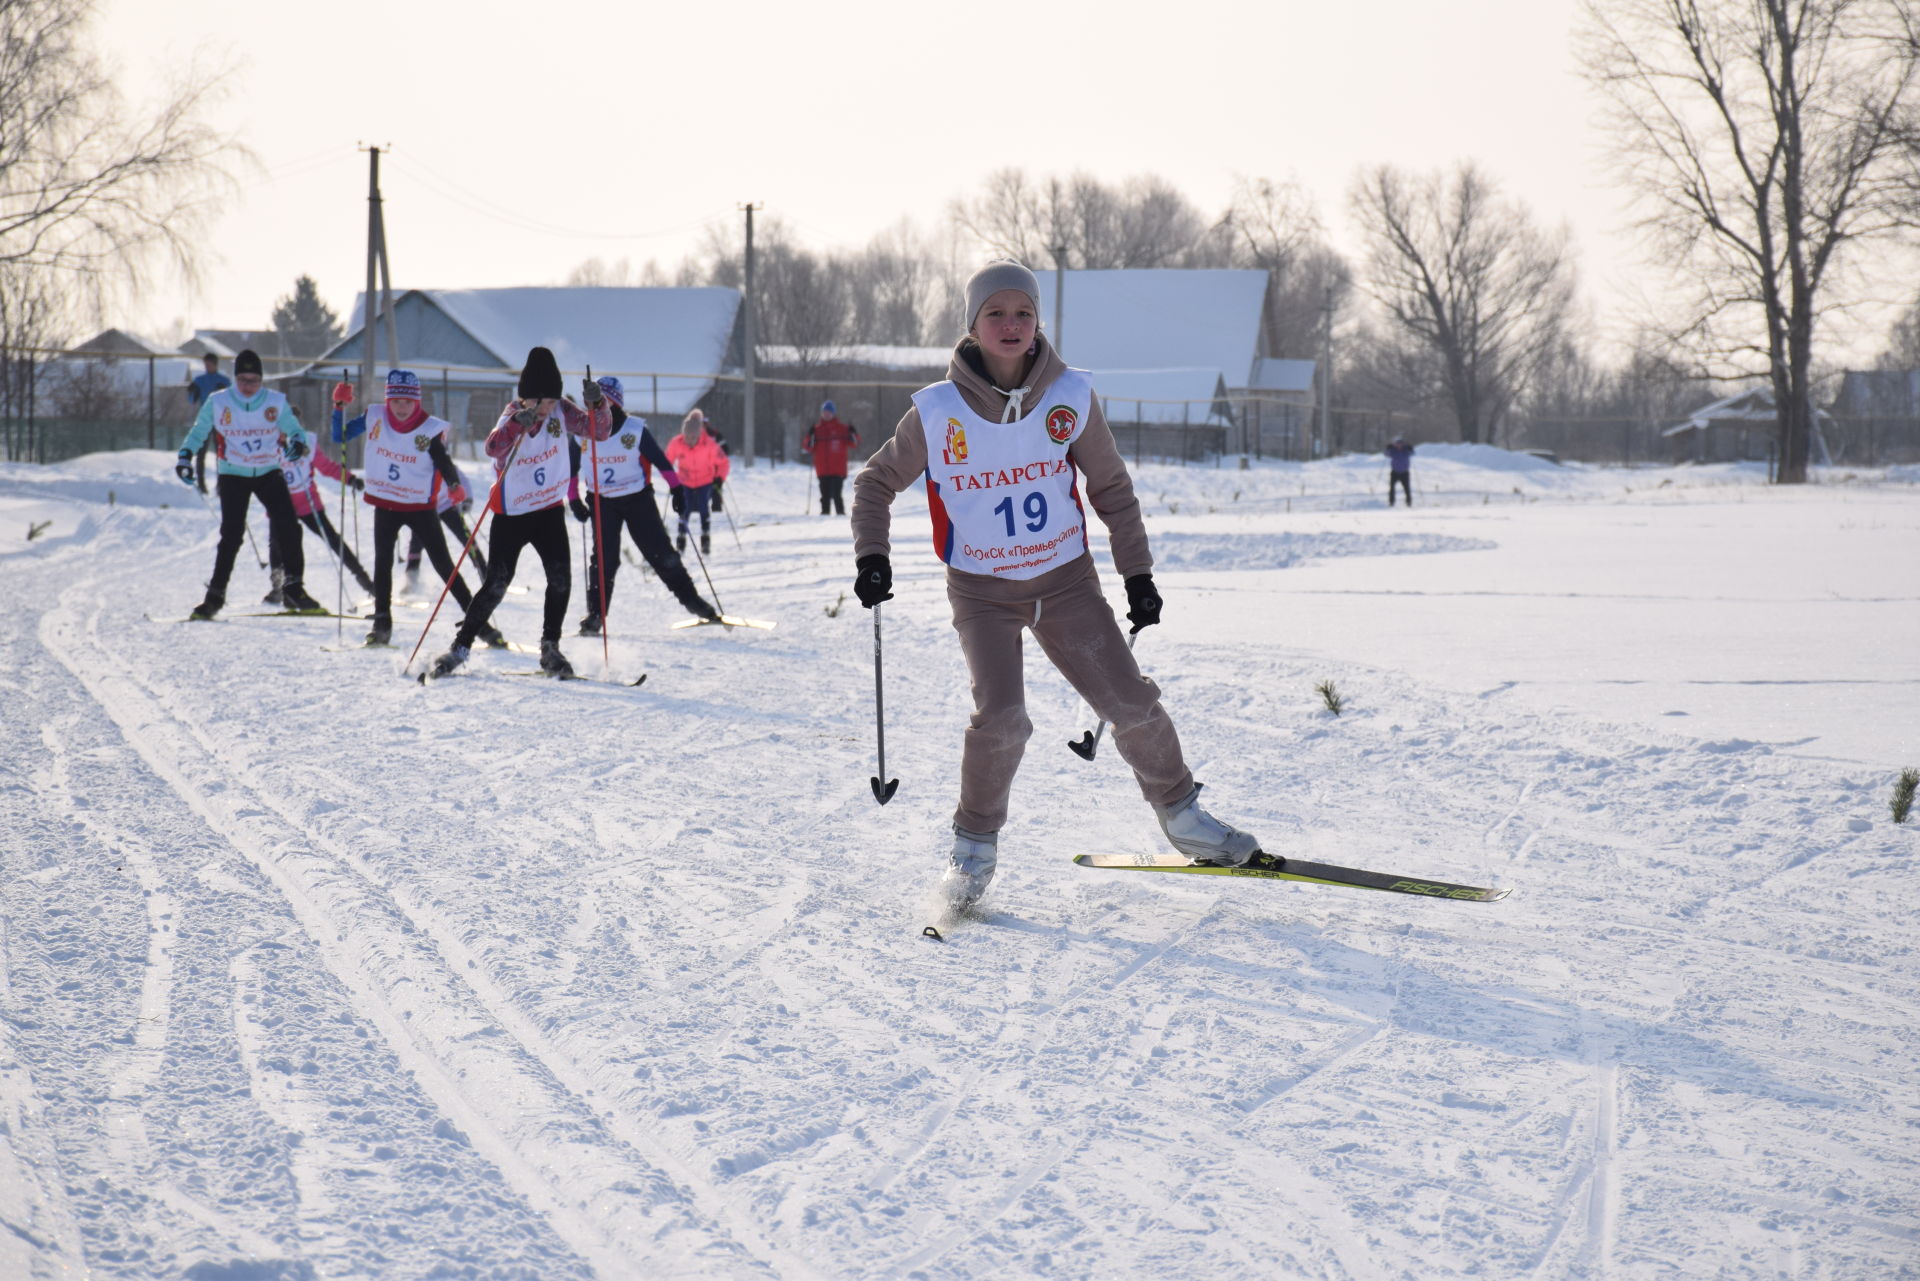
x=1107, y=487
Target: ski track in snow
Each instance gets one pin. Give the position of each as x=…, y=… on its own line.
x=307, y=971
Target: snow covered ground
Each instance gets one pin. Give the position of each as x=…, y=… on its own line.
x=307, y=971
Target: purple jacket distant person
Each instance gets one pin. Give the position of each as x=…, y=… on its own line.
x=1399, y=457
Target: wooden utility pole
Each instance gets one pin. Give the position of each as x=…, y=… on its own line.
x=746, y=399
x=369, y=316
x=1326, y=375
x=1059, y=253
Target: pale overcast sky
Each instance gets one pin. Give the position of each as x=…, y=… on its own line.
x=529, y=136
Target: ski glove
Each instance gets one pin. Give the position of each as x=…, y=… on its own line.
x=591, y=393
x=1143, y=602
x=677, y=498
x=528, y=420
x=184, y=467
x=581, y=512
x=359, y=485
x=343, y=393
x=296, y=449
x=873, y=582
x=716, y=497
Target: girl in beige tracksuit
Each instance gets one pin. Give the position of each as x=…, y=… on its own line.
x=1013, y=448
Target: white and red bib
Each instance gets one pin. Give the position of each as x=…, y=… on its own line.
x=1004, y=496
x=398, y=466
x=250, y=437
x=298, y=471
x=614, y=465
x=539, y=472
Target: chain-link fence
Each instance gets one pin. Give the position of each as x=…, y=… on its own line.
x=58, y=404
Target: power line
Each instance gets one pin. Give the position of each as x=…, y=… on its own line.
x=451, y=191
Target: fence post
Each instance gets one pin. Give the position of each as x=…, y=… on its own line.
x=150, y=402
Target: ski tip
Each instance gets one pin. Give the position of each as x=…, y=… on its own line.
x=931, y=933
x=1082, y=746
x=641, y=681
x=883, y=792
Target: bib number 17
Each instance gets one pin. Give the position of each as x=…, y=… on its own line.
x=1035, y=509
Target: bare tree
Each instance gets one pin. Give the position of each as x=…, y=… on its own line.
x=800, y=299
x=90, y=188
x=1475, y=293
x=1764, y=140
x=1274, y=226
x=1142, y=222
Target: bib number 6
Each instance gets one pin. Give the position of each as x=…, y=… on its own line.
x=1034, y=507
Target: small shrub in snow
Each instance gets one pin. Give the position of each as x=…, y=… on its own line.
x=1332, y=697
x=35, y=529
x=833, y=610
x=1902, y=802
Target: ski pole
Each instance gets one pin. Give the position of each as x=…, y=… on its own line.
x=711, y=591
x=492, y=494
x=1088, y=743
x=731, y=526
x=882, y=792
x=599, y=543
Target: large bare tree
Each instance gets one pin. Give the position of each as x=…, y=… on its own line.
x=1764, y=141
x=92, y=188
x=1474, y=294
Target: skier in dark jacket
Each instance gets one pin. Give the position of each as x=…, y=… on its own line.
x=1399, y=468
x=620, y=470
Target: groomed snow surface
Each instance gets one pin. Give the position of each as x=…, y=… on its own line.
x=312, y=972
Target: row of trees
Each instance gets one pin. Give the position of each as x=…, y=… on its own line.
x=1767, y=143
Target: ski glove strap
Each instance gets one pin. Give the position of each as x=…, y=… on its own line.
x=184, y=467
x=874, y=581
x=1143, y=602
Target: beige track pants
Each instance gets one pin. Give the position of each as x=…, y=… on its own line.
x=1077, y=631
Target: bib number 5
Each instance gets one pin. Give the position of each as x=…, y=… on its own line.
x=1034, y=508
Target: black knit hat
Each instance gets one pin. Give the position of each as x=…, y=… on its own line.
x=248, y=362
x=540, y=377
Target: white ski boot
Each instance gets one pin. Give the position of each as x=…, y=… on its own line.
x=969, y=868
x=1202, y=837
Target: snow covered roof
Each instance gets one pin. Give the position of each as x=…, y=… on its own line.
x=877, y=355
x=1755, y=405
x=1160, y=319
x=632, y=332
x=1158, y=395
x=124, y=342
x=1272, y=374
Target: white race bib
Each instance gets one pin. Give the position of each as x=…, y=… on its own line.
x=398, y=466
x=250, y=437
x=614, y=467
x=1003, y=496
x=538, y=477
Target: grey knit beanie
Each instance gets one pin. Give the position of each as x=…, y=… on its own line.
x=1001, y=273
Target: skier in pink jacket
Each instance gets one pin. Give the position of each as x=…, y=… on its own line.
x=702, y=467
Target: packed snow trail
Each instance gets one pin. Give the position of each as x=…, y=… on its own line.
x=313, y=971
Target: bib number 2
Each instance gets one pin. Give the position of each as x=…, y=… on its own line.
x=1034, y=508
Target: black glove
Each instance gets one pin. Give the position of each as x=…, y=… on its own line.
x=359, y=485
x=591, y=393
x=678, y=499
x=296, y=448
x=581, y=512
x=1143, y=602
x=873, y=581
x=716, y=496
x=184, y=467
